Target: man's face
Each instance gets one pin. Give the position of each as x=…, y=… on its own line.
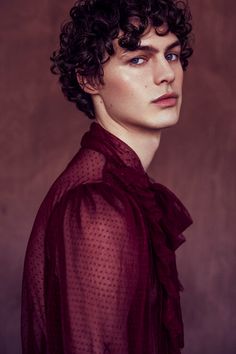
x=134, y=81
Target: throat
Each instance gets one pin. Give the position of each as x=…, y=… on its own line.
x=146, y=150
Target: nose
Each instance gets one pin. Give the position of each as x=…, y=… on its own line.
x=163, y=72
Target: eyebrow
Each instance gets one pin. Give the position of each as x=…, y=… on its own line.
x=151, y=49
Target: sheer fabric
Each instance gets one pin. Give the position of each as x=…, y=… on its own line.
x=100, y=272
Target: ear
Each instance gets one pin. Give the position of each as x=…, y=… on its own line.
x=92, y=89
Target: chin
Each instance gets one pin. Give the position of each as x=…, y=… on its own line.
x=168, y=119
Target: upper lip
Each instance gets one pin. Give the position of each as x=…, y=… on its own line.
x=165, y=96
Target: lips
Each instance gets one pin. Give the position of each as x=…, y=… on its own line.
x=166, y=97
x=167, y=100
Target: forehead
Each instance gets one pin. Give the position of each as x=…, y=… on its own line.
x=151, y=37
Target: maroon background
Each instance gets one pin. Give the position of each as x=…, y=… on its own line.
x=40, y=132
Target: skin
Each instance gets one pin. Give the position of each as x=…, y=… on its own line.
x=132, y=80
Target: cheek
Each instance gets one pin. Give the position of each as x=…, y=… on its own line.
x=180, y=76
x=119, y=87
x=113, y=88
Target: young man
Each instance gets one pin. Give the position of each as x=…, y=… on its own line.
x=100, y=273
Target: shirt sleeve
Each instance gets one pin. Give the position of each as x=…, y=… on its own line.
x=93, y=255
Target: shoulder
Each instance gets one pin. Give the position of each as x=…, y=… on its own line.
x=94, y=201
x=86, y=167
x=89, y=216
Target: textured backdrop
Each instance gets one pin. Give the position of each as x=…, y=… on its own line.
x=40, y=132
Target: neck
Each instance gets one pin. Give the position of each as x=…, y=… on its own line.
x=144, y=142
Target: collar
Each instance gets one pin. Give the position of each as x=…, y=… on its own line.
x=124, y=166
x=113, y=147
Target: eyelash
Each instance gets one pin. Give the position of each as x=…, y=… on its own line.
x=177, y=56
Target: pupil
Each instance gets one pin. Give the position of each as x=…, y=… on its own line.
x=135, y=60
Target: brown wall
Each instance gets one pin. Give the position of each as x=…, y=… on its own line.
x=41, y=132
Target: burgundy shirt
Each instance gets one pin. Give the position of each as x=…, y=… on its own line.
x=100, y=271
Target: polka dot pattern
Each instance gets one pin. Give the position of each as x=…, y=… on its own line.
x=89, y=284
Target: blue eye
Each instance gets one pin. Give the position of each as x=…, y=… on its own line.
x=137, y=61
x=172, y=57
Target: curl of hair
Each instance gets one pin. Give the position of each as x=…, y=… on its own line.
x=86, y=41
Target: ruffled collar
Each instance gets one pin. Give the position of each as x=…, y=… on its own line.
x=124, y=163
x=112, y=147
x=166, y=217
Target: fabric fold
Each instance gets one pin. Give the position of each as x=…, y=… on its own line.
x=167, y=219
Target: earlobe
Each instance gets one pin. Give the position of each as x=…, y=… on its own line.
x=86, y=86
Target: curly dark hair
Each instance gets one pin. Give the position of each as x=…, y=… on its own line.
x=86, y=41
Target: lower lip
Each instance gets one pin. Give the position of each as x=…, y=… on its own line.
x=167, y=102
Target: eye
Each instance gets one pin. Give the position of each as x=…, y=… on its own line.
x=172, y=57
x=137, y=61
